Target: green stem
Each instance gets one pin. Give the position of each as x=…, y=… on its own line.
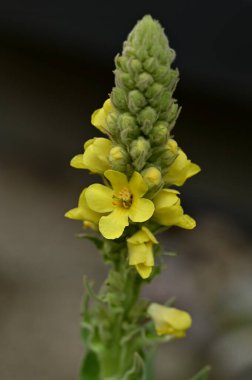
x=117, y=358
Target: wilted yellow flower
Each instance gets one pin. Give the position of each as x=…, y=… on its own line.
x=169, y=321
x=168, y=211
x=95, y=156
x=89, y=217
x=182, y=168
x=98, y=118
x=140, y=251
x=123, y=202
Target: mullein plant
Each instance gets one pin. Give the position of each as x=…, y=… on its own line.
x=139, y=163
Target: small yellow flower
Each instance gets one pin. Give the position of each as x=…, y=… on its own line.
x=89, y=217
x=140, y=251
x=123, y=202
x=169, y=321
x=182, y=168
x=95, y=157
x=168, y=211
x=98, y=118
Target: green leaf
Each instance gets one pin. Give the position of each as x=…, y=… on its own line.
x=203, y=374
x=90, y=369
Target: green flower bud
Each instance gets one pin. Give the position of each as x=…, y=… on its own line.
x=146, y=118
x=173, y=79
x=144, y=80
x=155, y=91
x=159, y=134
x=111, y=120
x=165, y=100
x=162, y=157
x=162, y=75
x=173, y=114
x=118, y=158
x=135, y=66
x=121, y=62
x=136, y=101
x=150, y=65
x=129, y=51
x=128, y=126
x=139, y=152
x=152, y=176
x=124, y=80
x=126, y=120
x=119, y=99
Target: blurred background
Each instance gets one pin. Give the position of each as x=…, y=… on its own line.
x=56, y=63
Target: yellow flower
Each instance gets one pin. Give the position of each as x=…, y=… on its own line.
x=169, y=321
x=168, y=211
x=182, y=168
x=89, y=217
x=140, y=251
x=123, y=202
x=95, y=157
x=98, y=118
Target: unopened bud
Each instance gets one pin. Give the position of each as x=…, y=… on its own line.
x=90, y=225
x=139, y=152
x=144, y=81
x=118, y=158
x=162, y=74
x=126, y=120
x=118, y=98
x=152, y=176
x=159, y=133
x=154, y=93
x=150, y=64
x=111, y=120
x=134, y=66
x=136, y=101
x=172, y=146
x=165, y=100
x=173, y=114
x=124, y=80
x=146, y=118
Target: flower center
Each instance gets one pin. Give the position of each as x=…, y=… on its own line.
x=124, y=198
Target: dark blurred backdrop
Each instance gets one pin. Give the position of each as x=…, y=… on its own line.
x=56, y=64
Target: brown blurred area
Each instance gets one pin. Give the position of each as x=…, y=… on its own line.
x=48, y=92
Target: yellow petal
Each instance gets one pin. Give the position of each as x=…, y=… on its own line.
x=150, y=235
x=95, y=157
x=168, y=216
x=118, y=180
x=165, y=198
x=180, y=170
x=77, y=162
x=98, y=118
x=142, y=236
x=186, y=222
x=112, y=225
x=83, y=212
x=74, y=213
x=140, y=254
x=193, y=169
x=141, y=210
x=99, y=198
x=137, y=185
x=144, y=270
x=169, y=320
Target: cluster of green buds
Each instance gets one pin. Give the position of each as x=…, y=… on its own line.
x=139, y=162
